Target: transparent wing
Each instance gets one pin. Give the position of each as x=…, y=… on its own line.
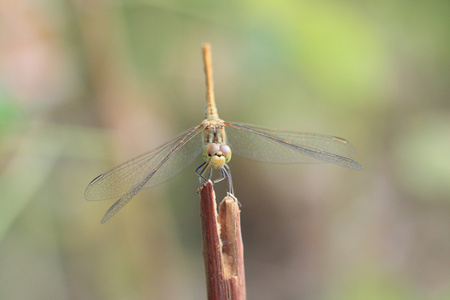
x=279, y=146
x=146, y=170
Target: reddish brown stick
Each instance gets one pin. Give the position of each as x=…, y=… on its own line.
x=223, y=250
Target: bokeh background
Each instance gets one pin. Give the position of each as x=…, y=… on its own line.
x=85, y=85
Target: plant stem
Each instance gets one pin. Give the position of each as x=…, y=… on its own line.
x=223, y=250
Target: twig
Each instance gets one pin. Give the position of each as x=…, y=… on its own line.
x=223, y=250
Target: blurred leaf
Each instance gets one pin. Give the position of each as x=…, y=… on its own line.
x=421, y=156
x=340, y=51
x=25, y=173
x=9, y=112
x=374, y=284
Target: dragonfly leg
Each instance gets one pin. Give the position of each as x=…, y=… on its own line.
x=198, y=168
x=200, y=171
x=226, y=172
x=221, y=178
x=205, y=172
x=210, y=173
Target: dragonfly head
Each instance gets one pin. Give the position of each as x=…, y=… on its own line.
x=217, y=155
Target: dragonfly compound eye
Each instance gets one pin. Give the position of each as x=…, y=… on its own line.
x=212, y=149
x=226, y=151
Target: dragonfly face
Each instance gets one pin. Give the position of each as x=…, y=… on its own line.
x=217, y=155
x=216, y=152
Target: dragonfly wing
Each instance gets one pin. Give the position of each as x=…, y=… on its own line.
x=114, y=209
x=148, y=169
x=280, y=146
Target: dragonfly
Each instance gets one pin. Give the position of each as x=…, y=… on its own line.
x=215, y=140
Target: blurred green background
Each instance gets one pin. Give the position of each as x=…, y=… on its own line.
x=84, y=86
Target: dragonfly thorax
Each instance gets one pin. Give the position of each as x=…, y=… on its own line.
x=213, y=132
x=217, y=155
